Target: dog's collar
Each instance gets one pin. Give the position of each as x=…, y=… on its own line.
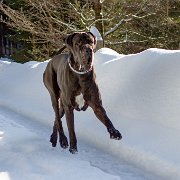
x=77, y=72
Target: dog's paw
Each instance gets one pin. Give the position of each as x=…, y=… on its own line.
x=53, y=140
x=77, y=108
x=63, y=142
x=84, y=107
x=114, y=134
x=73, y=150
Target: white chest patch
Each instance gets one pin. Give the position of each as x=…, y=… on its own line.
x=80, y=100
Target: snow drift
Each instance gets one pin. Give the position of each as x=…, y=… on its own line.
x=140, y=92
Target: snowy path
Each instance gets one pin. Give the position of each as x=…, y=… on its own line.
x=25, y=154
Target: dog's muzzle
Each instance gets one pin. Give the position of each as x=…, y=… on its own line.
x=81, y=69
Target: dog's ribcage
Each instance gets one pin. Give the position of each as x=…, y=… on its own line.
x=80, y=100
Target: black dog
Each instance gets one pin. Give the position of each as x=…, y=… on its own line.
x=69, y=76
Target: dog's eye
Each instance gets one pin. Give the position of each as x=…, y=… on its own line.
x=90, y=42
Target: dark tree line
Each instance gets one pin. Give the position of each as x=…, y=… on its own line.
x=128, y=26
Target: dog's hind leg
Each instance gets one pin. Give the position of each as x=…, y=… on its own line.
x=56, y=126
x=50, y=81
x=59, y=112
x=62, y=138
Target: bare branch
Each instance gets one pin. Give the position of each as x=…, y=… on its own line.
x=83, y=18
x=142, y=17
x=122, y=21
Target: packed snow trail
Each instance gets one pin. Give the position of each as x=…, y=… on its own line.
x=26, y=154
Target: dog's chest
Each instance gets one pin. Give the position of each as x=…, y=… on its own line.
x=80, y=100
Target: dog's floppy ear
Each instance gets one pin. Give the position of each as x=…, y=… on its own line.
x=95, y=40
x=69, y=39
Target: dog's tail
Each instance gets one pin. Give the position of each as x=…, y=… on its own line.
x=59, y=51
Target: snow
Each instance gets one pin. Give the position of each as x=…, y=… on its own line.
x=95, y=31
x=140, y=93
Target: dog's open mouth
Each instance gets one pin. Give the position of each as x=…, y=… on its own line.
x=81, y=68
x=85, y=68
x=86, y=61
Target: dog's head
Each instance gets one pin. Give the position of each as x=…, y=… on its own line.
x=82, y=45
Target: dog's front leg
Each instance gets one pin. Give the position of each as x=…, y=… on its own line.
x=70, y=124
x=102, y=116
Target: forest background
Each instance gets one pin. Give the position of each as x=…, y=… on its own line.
x=127, y=26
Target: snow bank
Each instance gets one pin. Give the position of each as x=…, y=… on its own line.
x=141, y=93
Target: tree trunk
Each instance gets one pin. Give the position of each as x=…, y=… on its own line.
x=97, y=7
